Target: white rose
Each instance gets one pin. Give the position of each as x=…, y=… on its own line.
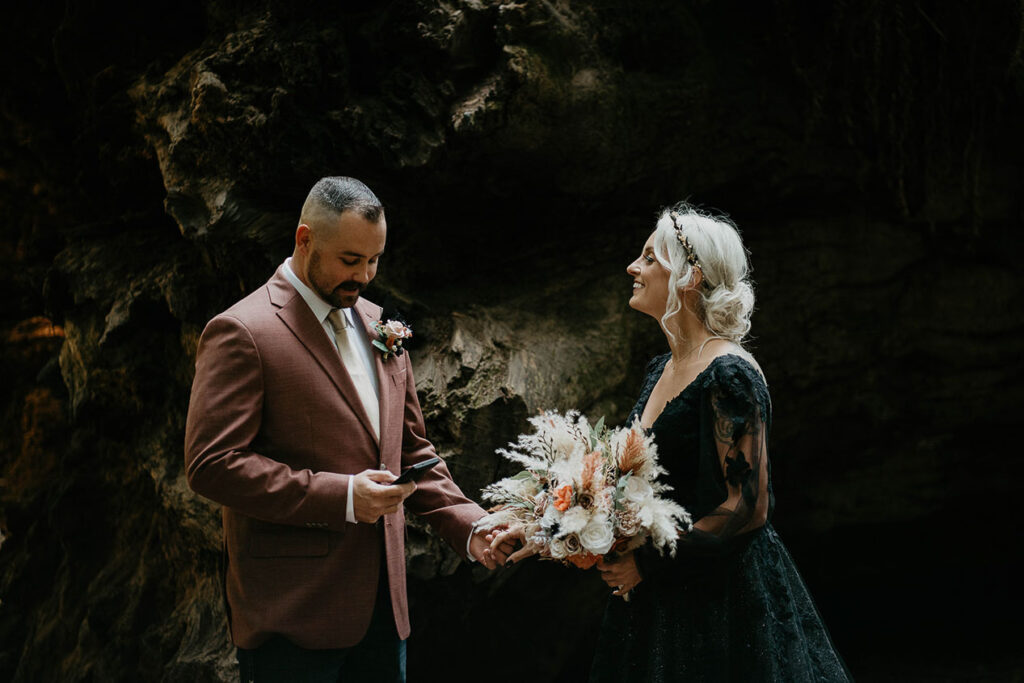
x=597, y=536
x=638, y=490
x=557, y=548
x=393, y=328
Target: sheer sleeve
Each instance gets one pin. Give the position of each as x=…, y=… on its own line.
x=732, y=493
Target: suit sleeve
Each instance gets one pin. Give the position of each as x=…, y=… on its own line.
x=224, y=417
x=437, y=499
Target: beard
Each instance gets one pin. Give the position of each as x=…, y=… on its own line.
x=343, y=295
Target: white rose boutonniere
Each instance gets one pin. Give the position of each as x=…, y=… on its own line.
x=390, y=335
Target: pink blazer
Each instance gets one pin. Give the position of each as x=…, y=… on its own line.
x=275, y=428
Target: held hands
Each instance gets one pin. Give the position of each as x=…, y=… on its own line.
x=622, y=573
x=373, y=496
x=504, y=541
x=480, y=549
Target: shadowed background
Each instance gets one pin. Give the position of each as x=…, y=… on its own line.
x=152, y=165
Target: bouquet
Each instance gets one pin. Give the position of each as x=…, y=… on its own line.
x=586, y=491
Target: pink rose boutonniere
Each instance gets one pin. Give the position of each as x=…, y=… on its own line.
x=389, y=337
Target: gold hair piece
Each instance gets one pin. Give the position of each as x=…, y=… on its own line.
x=691, y=255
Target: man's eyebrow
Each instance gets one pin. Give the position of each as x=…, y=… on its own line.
x=356, y=254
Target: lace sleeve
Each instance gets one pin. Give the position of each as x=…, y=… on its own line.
x=735, y=455
x=732, y=493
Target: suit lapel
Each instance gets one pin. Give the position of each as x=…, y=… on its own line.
x=295, y=314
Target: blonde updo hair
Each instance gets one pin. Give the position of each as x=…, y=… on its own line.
x=726, y=295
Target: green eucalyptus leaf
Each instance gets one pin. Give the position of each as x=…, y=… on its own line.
x=620, y=488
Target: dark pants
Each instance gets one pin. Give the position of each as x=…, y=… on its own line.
x=378, y=657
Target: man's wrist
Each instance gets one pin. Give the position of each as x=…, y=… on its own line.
x=350, y=506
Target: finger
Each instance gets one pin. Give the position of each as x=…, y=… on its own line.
x=611, y=581
x=487, y=560
x=520, y=554
x=383, y=491
x=380, y=476
x=502, y=551
x=499, y=543
x=509, y=542
x=511, y=535
x=406, y=489
x=387, y=494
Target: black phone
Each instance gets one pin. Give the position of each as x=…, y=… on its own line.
x=415, y=472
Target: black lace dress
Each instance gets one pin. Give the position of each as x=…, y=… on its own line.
x=730, y=606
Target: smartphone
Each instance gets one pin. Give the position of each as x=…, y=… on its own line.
x=415, y=472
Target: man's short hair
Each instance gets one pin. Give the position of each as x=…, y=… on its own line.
x=332, y=196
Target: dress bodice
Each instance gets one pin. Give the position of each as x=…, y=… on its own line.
x=729, y=387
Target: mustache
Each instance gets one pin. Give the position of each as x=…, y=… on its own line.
x=351, y=286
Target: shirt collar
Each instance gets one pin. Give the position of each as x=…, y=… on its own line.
x=321, y=309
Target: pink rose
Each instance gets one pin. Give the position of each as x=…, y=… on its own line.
x=396, y=330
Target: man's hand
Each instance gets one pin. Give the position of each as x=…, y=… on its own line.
x=480, y=549
x=621, y=573
x=505, y=541
x=373, y=496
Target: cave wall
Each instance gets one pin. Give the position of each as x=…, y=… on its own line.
x=152, y=164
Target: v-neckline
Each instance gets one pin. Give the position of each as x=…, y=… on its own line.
x=682, y=391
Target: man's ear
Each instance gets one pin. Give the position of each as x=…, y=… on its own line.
x=303, y=238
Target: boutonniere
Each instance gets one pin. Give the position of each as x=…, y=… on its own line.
x=389, y=337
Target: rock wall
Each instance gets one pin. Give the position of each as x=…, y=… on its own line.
x=152, y=164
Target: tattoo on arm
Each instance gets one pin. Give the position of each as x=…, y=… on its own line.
x=723, y=430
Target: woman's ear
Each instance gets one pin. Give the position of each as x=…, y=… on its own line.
x=697, y=280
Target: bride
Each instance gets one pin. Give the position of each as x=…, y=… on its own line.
x=730, y=604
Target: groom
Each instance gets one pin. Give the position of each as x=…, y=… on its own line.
x=297, y=426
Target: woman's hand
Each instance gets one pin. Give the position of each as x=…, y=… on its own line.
x=504, y=543
x=620, y=573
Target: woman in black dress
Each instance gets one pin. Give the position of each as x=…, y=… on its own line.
x=730, y=605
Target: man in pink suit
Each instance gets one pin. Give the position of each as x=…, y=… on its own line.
x=297, y=425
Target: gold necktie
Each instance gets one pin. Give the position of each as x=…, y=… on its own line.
x=356, y=368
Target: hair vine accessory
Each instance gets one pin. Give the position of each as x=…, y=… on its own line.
x=691, y=255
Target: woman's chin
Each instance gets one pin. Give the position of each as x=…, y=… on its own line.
x=637, y=304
